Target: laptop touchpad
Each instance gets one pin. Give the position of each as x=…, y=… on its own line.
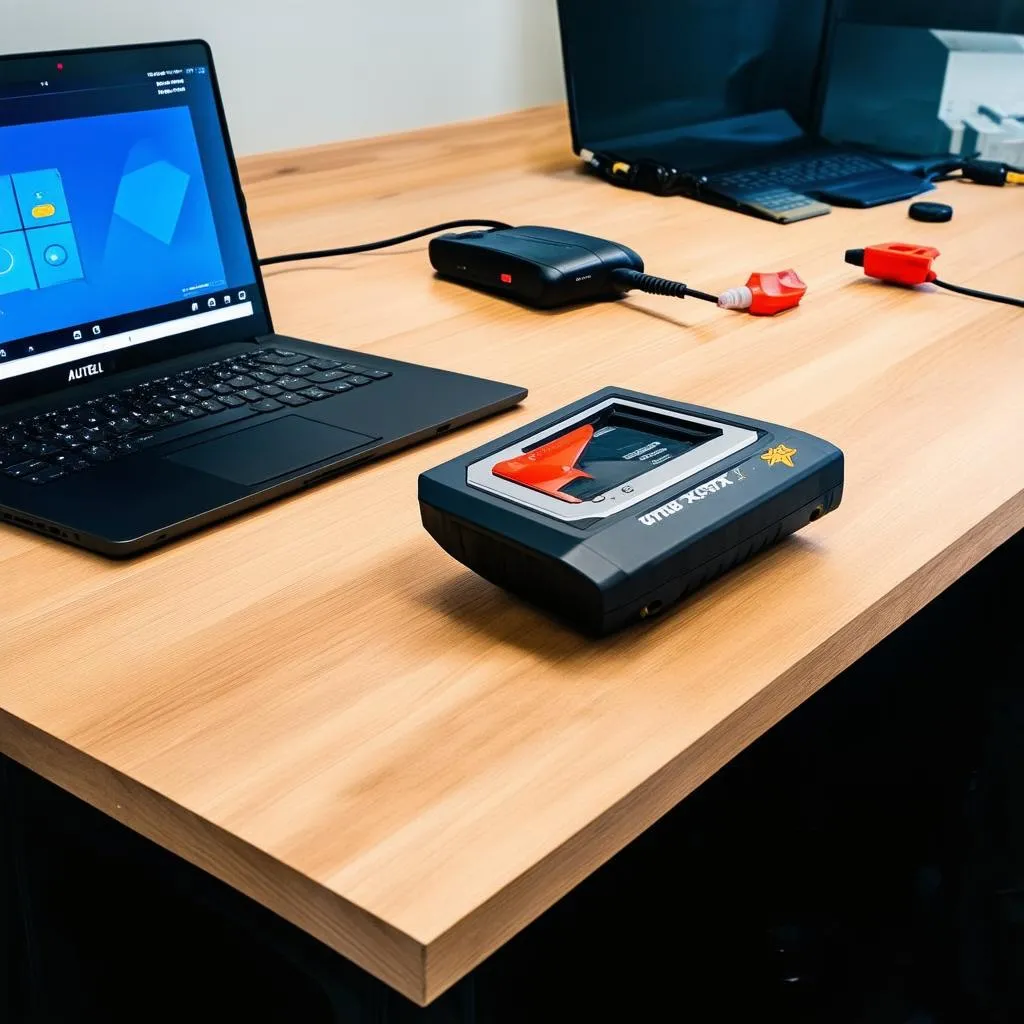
x=270, y=450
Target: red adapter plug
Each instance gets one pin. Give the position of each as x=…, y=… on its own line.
x=896, y=262
x=908, y=265
x=765, y=294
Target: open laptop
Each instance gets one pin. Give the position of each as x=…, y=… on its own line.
x=143, y=393
x=725, y=97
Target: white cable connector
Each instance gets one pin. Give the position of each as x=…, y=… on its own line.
x=736, y=298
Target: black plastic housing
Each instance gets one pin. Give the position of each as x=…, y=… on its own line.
x=538, y=266
x=601, y=574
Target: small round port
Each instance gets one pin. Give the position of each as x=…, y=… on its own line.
x=651, y=609
x=818, y=512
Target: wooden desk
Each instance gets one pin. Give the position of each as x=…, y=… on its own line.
x=317, y=705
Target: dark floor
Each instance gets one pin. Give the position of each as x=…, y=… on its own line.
x=862, y=862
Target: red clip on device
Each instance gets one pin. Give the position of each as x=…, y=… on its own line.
x=899, y=262
x=765, y=294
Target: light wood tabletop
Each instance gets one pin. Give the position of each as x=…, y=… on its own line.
x=317, y=705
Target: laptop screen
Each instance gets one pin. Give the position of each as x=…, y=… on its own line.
x=705, y=79
x=120, y=223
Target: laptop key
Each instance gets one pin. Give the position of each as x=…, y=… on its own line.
x=281, y=358
x=264, y=377
x=325, y=364
x=39, y=449
x=97, y=453
x=336, y=386
x=270, y=390
x=302, y=370
x=24, y=468
x=241, y=382
x=251, y=395
x=292, y=383
x=174, y=416
x=44, y=476
x=267, y=405
x=292, y=398
x=231, y=401
x=130, y=445
x=325, y=375
x=315, y=393
x=212, y=405
x=223, y=389
x=377, y=374
x=357, y=380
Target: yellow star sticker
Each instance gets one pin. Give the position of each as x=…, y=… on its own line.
x=780, y=453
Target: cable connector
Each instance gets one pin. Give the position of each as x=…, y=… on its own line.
x=991, y=172
x=762, y=295
x=625, y=280
x=909, y=265
x=765, y=294
x=896, y=262
x=643, y=175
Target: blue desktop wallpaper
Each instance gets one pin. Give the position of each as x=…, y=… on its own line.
x=101, y=216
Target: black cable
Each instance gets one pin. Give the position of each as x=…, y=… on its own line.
x=629, y=280
x=975, y=294
x=351, y=250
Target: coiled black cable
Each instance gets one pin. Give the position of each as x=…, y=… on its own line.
x=634, y=280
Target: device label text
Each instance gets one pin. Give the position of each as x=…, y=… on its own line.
x=689, y=498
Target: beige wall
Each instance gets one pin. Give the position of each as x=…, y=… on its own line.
x=301, y=72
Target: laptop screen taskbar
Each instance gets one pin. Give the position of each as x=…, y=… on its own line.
x=88, y=340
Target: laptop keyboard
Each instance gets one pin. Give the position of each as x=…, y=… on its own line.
x=44, y=448
x=800, y=173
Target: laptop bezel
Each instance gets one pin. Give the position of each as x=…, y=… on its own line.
x=47, y=382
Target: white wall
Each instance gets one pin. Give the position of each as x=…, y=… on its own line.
x=301, y=72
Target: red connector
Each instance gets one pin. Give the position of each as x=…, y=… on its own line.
x=909, y=265
x=896, y=262
x=765, y=294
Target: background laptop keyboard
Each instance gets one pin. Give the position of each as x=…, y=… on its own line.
x=46, y=447
x=800, y=173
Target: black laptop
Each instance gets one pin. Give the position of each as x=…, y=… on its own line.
x=723, y=99
x=143, y=392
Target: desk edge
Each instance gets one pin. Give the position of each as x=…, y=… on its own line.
x=451, y=955
x=377, y=947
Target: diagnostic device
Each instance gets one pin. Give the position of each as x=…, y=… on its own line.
x=612, y=508
x=550, y=267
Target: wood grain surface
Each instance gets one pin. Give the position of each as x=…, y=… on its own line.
x=317, y=705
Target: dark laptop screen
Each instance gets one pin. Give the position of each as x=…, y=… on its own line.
x=642, y=74
x=119, y=218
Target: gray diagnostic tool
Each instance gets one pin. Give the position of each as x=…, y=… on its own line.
x=612, y=508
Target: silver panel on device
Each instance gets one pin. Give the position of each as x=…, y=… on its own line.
x=608, y=503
